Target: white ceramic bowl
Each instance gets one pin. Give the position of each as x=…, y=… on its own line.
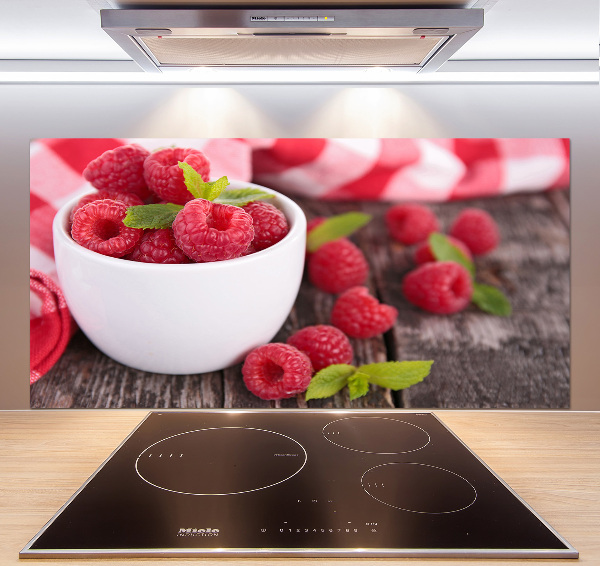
x=182, y=319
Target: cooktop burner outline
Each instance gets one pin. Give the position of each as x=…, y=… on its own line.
x=456, y=491
x=423, y=442
x=287, y=456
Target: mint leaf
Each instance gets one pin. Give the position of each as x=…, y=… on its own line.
x=334, y=228
x=329, y=381
x=208, y=190
x=490, y=299
x=151, y=215
x=444, y=250
x=397, y=375
x=241, y=197
x=358, y=385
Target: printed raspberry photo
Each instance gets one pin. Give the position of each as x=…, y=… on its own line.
x=442, y=287
x=164, y=176
x=360, y=315
x=98, y=226
x=206, y=231
x=323, y=344
x=277, y=371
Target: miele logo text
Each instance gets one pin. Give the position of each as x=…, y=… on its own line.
x=193, y=532
x=258, y=18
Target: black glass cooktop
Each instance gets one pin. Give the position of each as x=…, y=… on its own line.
x=295, y=483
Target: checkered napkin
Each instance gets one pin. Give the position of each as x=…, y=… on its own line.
x=410, y=169
x=56, y=167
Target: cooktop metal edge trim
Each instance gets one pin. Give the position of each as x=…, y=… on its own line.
x=305, y=553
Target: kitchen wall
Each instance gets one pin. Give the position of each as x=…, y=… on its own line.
x=503, y=110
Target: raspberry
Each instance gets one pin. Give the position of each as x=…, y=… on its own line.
x=270, y=224
x=277, y=371
x=164, y=176
x=158, y=246
x=337, y=265
x=360, y=315
x=130, y=199
x=423, y=253
x=98, y=226
x=120, y=169
x=410, y=223
x=208, y=231
x=477, y=229
x=323, y=344
x=441, y=287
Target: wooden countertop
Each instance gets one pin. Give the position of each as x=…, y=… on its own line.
x=481, y=361
x=550, y=458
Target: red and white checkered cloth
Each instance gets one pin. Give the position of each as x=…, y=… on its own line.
x=56, y=166
x=410, y=169
x=349, y=169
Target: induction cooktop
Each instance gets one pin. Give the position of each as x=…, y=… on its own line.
x=295, y=483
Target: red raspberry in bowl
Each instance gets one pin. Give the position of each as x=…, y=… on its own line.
x=130, y=199
x=158, y=246
x=337, y=265
x=423, y=253
x=276, y=371
x=323, y=344
x=477, y=229
x=208, y=231
x=164, y=176
x=411, y=223
x=270, y=224
x=441, y=287
x=360, y=315
x=98, y=226
x=120, y=169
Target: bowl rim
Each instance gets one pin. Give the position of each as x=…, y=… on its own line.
x=297, y=229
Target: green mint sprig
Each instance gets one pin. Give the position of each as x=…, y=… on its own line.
x=151, y=215
x=335, y=227
x=215, y=190
x=391, y=375
x=487, y=298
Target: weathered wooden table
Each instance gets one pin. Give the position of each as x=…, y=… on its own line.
x=480, y=360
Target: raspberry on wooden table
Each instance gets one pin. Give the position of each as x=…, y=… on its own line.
x=164, y=176
x=270, y=224
x=120, y=169
x=337, y=265
x=477, y=230
x=360, y=315
x=276, y=371
x=158, y=246
x=323, y=344
x=411, y=223
x=441, y=287
x=208, y=231
x=98, y=226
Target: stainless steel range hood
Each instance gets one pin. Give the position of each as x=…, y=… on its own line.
x=412, y=39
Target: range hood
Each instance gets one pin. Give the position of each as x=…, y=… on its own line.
x=411, y=39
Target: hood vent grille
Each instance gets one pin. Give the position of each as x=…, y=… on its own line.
x=290, y=51
x=418, y=39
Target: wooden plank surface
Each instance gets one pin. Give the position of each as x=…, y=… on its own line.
x=480, y=360
x=550, y=458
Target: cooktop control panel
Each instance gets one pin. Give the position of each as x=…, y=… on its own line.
x=295, y=483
